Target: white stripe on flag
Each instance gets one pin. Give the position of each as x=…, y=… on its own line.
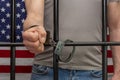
x=19, y=76
x=17, y=48
x=110, y=61
x=107, y=30
x=19, y=61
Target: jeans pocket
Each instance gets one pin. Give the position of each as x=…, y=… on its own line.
x=96, y=74
x=39, y=69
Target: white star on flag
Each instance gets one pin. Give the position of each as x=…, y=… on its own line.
x=8, y=4
x=2, y=0
x=8, y=15
x=18, y=26
x=2, y=9
x=8, y=26
x=8, y=37
x=18, y=5
x=3, y=31
x=2, y=20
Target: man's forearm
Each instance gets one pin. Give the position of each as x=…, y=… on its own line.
x=114, y=25
x=115, y=36
x=27, y=4
x=35, y=13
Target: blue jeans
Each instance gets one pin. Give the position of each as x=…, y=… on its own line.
x=46, y=73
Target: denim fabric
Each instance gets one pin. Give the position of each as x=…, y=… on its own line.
x=46, y=73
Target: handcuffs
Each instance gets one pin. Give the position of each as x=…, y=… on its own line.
x=59, y=47
x=58, y=50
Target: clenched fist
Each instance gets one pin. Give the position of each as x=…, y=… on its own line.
x=34, y=39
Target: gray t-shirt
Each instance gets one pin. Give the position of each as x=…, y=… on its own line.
x=79, y=20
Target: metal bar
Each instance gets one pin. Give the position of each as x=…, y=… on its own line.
x=70, y=44
x=12, y=54
x=104, y=39
x=11, y=44
x=56, y=37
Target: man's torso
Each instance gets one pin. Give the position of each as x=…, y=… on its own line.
x=79, y=20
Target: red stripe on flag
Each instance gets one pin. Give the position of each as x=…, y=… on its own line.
x=108, y=38
x=109, y=54
x=27, y=69
x=19, y=54
x=110, y=69
x=27, y=54
x=19, y=69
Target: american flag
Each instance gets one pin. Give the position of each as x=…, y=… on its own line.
x=23, y=57
x=5, y=13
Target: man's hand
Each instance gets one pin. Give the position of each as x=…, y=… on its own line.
x=34, y=39
x=116, y=76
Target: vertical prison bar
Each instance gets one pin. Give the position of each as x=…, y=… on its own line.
x=12, y=53
x=104, y=39
x=56, y=37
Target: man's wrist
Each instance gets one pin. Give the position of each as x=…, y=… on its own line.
x=31, y=21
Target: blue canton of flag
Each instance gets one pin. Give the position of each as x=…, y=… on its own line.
x=5, y=17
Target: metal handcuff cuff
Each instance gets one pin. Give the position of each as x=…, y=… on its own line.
x=58, y=50
x=59, y=47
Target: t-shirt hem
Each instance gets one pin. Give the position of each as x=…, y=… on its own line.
x=71, y=67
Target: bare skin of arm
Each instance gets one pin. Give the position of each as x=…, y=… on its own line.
x=114, y=26
x=34, y=38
